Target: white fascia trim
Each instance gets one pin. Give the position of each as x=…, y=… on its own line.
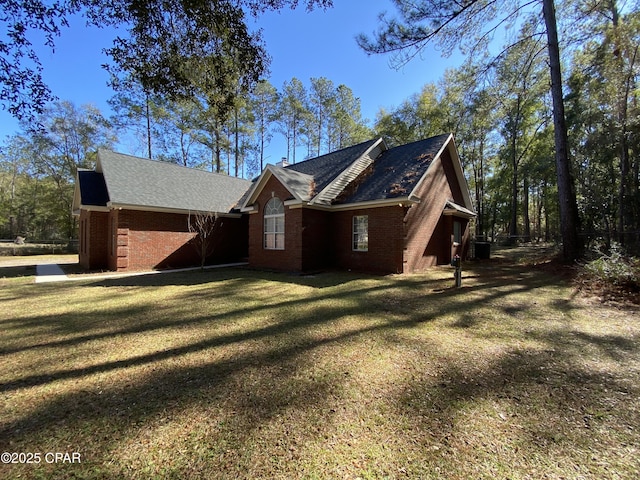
x=387, y=202
x=250, y=209
x=257, y=188
x=145, y=208
x=93, y=208
x=464, y=186
x=89, y=208
x=451, y=212
x=451, y=208
x=294, y=203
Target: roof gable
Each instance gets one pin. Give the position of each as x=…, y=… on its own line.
x=398, y=173
x=331, y=191
x=140, y=183
x=326, y=168
x=300, y=185
x=320, y=179
x=93, y=190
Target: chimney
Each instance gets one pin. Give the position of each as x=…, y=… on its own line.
x=283, y=162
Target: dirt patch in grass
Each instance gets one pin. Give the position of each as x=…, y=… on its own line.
x=243, y=374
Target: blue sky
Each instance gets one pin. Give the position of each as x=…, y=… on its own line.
x=301, y=44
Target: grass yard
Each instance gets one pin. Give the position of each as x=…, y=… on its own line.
x=245, y=374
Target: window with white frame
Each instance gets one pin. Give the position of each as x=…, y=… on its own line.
x=274, y=224
x=361, y=233
x=457, y=232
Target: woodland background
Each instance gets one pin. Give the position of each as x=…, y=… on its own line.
x=497, y=106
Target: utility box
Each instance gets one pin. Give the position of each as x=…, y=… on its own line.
x=483, y=250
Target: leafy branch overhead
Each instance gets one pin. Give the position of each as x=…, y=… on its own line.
x=174, y=48
x=466, y=24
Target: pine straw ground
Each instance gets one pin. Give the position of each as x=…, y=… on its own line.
x=246, y=374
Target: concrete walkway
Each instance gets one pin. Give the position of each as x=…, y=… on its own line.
x=53, y=273
x=50, y=272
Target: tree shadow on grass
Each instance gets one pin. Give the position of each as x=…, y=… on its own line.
x=367, y=305
x=246, y=380
x=540, y=409
x=196, y=277
x=86, y=327
x=17, y=271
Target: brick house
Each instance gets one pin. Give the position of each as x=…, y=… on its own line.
x=134, y=214
x=365, y=207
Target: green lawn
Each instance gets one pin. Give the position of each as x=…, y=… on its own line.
x=245, y=374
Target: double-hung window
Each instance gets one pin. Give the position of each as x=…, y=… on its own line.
x=274, y=224
x=361, y=233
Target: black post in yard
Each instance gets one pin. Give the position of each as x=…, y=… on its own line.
x=457, y=274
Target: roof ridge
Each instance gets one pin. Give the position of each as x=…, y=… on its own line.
x=169, y=164
x=139, y=182
x=332, y=153
x=331, y=191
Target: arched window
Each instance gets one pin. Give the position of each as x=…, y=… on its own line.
x=274, y=224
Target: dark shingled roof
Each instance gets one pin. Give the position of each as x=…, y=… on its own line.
x=124, y=180
x=326, y=168
x=93, y=190
x=299, y=184
x=395, y=172
x=133, y=181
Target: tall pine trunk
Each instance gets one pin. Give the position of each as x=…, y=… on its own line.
x=148, y=118
x=569, y=219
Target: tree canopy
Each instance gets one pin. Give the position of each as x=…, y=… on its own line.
x=172, y=48
x=500, y=110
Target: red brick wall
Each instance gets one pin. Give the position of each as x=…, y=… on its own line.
x=316, y=239
x=289, y=259
x=232, y=241
x=151, y=240
x=118, y=240
x=158, y=240
x=318, y=251
x=386, y=240
x=400, y=239
x=429, y=234
x=92, y=250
